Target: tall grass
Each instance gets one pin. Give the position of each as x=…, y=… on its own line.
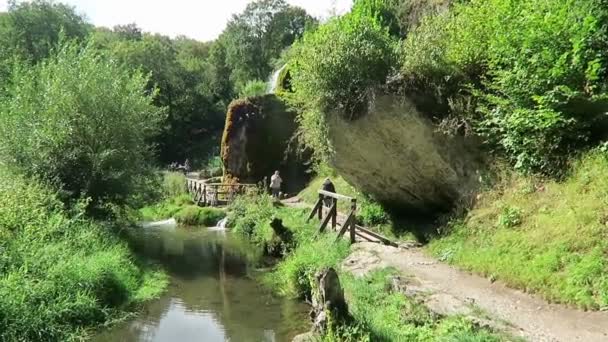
x=60, y=274
x=541, y=236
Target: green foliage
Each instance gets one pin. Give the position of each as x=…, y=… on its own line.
x=383, y=315
x=254, y=38
x=253, y=88
x=251, y=216
x=335, y=65
x=80, y=121
x=31, y=30
x=510, y=217
x=59, y=272
x=183, y=210
x=193, y=215
x=536, y=70
x=372, y=213
x=334, y=69
x=556, y=249
x=174, y=184
x=179, y=69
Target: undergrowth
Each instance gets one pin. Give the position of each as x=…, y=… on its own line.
x=184, y=211
x=546, y=237
x=60, y=273
x=384, y=315
x=379, y=314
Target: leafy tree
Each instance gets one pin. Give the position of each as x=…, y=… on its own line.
x=32, y=29
x=80, y=121
x=255, y=37
x=537, y=70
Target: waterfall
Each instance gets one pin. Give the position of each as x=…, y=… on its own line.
x=221, y=224
x=170, y=223
x=274, y=79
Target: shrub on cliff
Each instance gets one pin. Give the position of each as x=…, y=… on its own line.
x=334, y=66
x=80, y=121
x=537, y=71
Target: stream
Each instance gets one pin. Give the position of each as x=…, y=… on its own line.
x=212, y=295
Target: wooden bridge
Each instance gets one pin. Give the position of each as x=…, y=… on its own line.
x=328, y=203
x=216, y=194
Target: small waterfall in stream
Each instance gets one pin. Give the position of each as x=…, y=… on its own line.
x=274, y=79
x=170, y=223
x=221, y=224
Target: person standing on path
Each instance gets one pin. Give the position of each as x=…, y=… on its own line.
x=329, y=187
x=275, y=184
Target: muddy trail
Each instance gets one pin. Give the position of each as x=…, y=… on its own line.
x=449, y=291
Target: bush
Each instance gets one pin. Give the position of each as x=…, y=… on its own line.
x=253, y=88
x=193, y=215
x=334, y=68
x=536, y=70
x=336, y=65
x=59, y=274
x=82, y=122
x=174, y=184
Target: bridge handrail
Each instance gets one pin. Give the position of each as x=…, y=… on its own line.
x=336, y=195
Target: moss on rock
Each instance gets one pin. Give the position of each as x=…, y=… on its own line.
x=256, y=141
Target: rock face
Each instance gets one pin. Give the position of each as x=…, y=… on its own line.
x=328, y=299
x=256, y=141
x=395, y=154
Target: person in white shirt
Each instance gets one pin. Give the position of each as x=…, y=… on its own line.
x=275, y=184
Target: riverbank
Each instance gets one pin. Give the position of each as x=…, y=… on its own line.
x=379, y=313
x=177, y=203
x=62, y=274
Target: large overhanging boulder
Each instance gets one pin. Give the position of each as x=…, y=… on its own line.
x=395, y=154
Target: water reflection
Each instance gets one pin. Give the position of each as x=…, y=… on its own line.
x=211, y=297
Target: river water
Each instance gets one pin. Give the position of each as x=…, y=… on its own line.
x=212, y=295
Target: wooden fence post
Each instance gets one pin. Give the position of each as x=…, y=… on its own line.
x=334, y=214
x=353, y=224
x=205, y=195
x=320, y=214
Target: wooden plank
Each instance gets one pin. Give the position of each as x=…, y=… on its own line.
x=334, y=195
x=327, y=218
x=345, y=226
x=315, y=209
x=383, y=239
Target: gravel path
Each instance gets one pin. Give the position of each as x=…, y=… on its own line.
x=450, y=291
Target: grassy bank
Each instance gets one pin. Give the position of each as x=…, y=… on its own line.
x=545, y=237
x=177, y=203
x=370, y=213
x=60, y=273
x=379, y=315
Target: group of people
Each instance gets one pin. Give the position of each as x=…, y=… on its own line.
x=175, y=166
x=276, y=181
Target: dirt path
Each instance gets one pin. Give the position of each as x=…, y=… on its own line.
x=446, y=290
x=450, y=291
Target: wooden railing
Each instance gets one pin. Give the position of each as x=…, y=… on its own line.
x=215, y=194
x=332, y=214
x=347, y=224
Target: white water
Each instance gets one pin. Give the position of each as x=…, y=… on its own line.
x=222, y=223
x=170, y=223
x=274, y=79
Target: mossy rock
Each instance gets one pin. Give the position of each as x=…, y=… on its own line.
x=256, y=141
